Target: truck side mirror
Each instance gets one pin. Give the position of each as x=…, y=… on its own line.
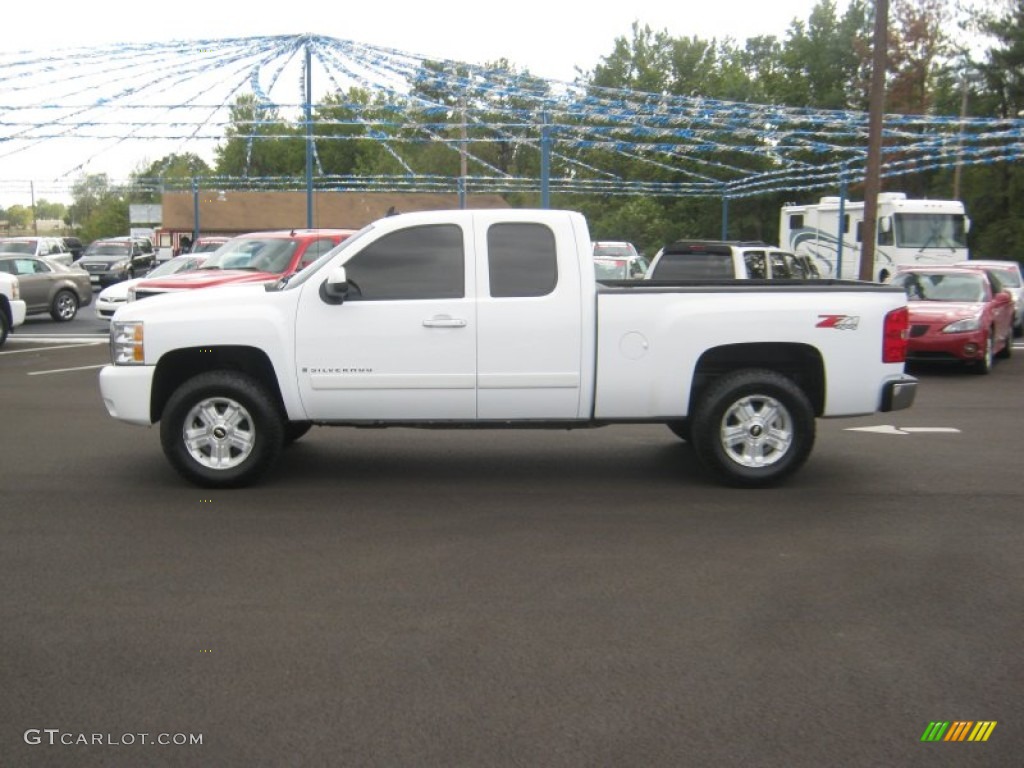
x=884, y=224
x=334, y=290
x=967, y=224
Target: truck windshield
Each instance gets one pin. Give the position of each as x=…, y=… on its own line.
x=18, y=246
x=930, y=230
x=941, y=287
x=266, y=254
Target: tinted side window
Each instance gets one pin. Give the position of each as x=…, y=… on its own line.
x=756, y=268
x=416, y=263
x=521, y=260
x=694, y=266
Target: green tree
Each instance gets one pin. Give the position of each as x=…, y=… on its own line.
x=148, y=181
x=19, y=217
x=260, y=142
x=99, y=208
x=823, y=57
x=47, y=210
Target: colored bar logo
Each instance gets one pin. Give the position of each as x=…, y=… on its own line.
x=959, y=730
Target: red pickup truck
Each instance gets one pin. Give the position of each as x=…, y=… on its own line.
x=259, y=257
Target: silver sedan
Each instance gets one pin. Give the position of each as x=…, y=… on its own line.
x=48, y=287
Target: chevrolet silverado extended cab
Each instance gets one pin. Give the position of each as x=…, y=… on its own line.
x=495, y=319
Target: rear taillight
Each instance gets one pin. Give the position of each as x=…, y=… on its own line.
x=894, y=336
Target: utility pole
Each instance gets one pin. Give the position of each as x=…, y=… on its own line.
x=873, y=172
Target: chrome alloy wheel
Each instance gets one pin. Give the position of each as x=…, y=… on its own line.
x=219, y=433
x=756, y=431
x=66, y=306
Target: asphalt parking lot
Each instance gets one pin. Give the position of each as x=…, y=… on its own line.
x=515, y=598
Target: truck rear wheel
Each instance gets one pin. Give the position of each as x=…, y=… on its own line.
x=753, y=428
x=221, y=429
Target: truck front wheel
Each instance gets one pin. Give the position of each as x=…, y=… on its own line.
x=753, y=428
x=221, y=429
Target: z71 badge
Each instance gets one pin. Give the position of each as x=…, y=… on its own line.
x=841, y=322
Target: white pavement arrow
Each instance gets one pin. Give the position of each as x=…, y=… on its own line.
x=889, y=429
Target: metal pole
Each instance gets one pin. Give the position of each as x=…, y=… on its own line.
x=545, y=163
x=195, y=209
x=309, y=135
x=463, y=165
x=35, y=221
x=841, y=225
x=725, y=216
x=873, y=172
x=960, y=138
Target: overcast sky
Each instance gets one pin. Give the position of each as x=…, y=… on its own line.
x=551, y=38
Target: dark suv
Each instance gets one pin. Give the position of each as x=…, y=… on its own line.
x=111, y=261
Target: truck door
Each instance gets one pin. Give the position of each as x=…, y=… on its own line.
x=530, y=321
x=403, y=344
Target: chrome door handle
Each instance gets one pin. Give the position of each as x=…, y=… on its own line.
x=444, y=321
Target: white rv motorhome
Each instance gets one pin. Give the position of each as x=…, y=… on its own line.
x=910, y=233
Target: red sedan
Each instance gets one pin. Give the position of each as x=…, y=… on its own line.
x=957, y=314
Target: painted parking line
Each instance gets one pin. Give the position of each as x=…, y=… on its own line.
x=67, y=370
x=79, y=345
x=54, y=338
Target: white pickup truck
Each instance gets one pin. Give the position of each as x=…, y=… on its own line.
x=495, y=319
x=12, y=308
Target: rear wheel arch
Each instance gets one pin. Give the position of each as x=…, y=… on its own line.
x=801, y=363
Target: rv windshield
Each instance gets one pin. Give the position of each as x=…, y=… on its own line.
x=930, y=230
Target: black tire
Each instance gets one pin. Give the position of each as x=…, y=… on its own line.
x=293, y=430
x=680, y=428
x=236, y=424
x=774, y=440
x=64, y=306
x=983, y=367
x=5, y=326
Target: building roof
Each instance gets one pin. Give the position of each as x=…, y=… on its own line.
x=232, y=211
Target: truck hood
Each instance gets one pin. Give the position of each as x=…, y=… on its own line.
x=207, y=278
x=191, y=304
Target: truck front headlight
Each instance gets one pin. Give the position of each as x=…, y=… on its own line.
x=127, y=345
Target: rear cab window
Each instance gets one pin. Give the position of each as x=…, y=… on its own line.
x=695, y=263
